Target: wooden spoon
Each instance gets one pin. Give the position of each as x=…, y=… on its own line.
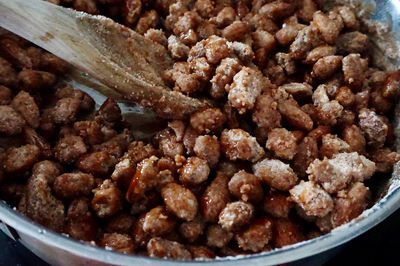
x=115, y=55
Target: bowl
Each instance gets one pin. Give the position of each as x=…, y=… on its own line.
x=61, y=250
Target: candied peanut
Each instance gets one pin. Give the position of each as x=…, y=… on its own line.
x=47, y=170
x=157, y=36
x=90, y=131
x=138, y=151
x=265, y=113
x=207, y=120
x=52, y=63
x=349, y=204
x=319, y=52
x=353, y=69
x=345, y=96
x=148, y=20
x=8, y=76
x=326, y=66
x=235, y=31
x=373, y=127
x=299, y=91
x=355, y=138
x=305, y=41
x=11, y=50
x=216, y=49
x=121, y=223
x=42, y=207
x=207, y=148
x=232, y=116
x=204, y=7
x=275, y=173
x=259, y=21
x=326, y=27
x=225, y=17
x=217, y=236
x=140, y=237
x=69, y=149
x=206, y=29
x=349, y=18
x=282, y=142
x=168, y=144
x=287, y=34
x=391, y=87
x=312, y=199
x=188, y=21
x=201, y=68
x=224, y=74
x=246, y=187
x=158, y=221
x=192, y=230
x=80, y=221
x=201, y=252
x=235, y=215
x=243, y=51
x=189, y=139
x=307, y=10
x=144, y=179
x=116, y=145
x=72, y=185
x=277, y=204
x=256, y=236
x=11, y=122
x=329, y=112
x=195, y=171
x=307, y=151
x=162, y=248
x=177, y=49
x=276, y=9
x=110, y=111
x=5, y=95
x=286, y=233
x=295, y=116
x=65, y=110
x=380, y=104
x=180, y=201
x=26, y=106
x=34, y=81
x=118, y=242
x=96, y=163
x=238, y=144
x=131, y=10
x=286, y=62
x=332, y=145
x=215, y=198
x=21, y=159
x=384, y=159
x=352, y=42
x=336, y=173
x=107, y=199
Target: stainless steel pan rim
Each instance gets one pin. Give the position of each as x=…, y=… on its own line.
x=338, y=236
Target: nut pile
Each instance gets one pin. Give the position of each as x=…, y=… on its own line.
x=299, y=121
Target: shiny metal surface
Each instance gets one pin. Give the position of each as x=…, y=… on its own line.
x=61, y=250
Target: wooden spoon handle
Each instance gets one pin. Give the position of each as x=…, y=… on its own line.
x=115, y=55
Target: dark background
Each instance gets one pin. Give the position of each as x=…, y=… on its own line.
x=379, y=246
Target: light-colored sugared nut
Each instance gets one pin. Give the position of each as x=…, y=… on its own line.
x=354, y=136
x=98, y=163
x=391, y=87
x=216, y=49
x=276, y=9
x=319, y=52
x=295, y=116
x=238, y=144
x=373, y=127
x=307, y=9
x=235, y=215
x=11, y=122
x=275, y=173
x=282, y=142
x=349, y=204
x=65, y=110
x=328, y=113
x=326, y=27
x=286, y=233
x=305, y=41
x=320, y=96
x=235, y=31
x=217, y=236
x=312, y=199
x=207, y=120
x=195, y=171
x=256, y=236
x=180, y=201
x=289, y=31
x=107, y=199
x=73, y=185
x=69, y=149
x=158, y=221
x=299, y=91
x=225, y=17
x=162, y=248
x=277, y=204
x=353, y=69
x=247, y=85
x=286, y=62
x=332, y=145
x=148, y=20
x=326, y=66
x=25, y=104
x=384, y=159
x=215, y=198
x=177, y=49
x=263, y=39
x=224, y=74
x=118, y=242
x=349, y=18
x=21, y=159
x=246, y=187
x=336, y=173
x=207, y=148
x=192, y=230
x=265, y=113
x=345, y=96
